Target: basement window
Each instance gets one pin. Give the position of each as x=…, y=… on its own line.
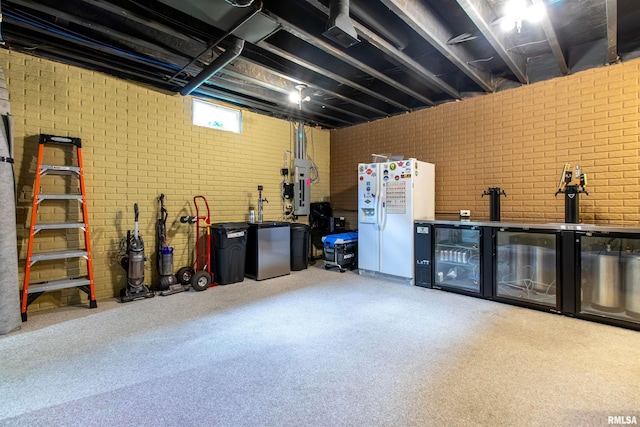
x=216, y=117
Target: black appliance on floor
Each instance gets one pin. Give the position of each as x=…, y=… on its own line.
x=299, y=246
x=322, y=223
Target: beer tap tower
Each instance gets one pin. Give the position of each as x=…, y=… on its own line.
x=494, y=193
x=572, y=192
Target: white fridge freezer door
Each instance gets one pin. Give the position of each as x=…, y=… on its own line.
x=368, y=196
x=368, y=230
x=396, y=243
x=368, y=247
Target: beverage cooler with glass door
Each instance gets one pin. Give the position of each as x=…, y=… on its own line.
x=527, y=267
x=456, y=258
x=449, y=257
x=608, y=278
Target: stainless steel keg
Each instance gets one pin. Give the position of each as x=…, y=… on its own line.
x=543, y=261
x=607, y=288
x=632, y=285
x=521, y=267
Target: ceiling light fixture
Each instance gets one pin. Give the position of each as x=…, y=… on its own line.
x=515, y=11
x=296, y=97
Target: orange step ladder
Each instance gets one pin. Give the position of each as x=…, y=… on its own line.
x=31, y=291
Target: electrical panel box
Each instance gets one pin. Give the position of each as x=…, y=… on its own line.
x=302, y=187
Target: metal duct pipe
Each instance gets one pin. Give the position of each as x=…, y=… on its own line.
x=10, y=319
x=216, y=65
x=234, y=27
x=380, y=24
x=339, y=9
x=339, y=26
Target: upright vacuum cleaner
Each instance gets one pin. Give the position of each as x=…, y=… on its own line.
x=133, y=263
x=168, y=282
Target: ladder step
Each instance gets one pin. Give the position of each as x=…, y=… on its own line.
x=52, y=285
x=46, y=256
x=59, y=170
x=59, y=226
x=42, y=197
x=51, y=139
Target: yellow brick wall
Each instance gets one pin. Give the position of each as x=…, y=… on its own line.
x=137, y=143
x=518, y=140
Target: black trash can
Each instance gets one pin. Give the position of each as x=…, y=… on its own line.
x=299, y=246
x=228, y=251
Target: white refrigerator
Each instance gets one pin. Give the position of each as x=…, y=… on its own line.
x=391, y=195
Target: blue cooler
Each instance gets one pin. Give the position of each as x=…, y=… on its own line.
x=340, y=250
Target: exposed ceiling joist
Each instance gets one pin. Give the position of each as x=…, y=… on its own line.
x=323, y=71
x=480, y=12
x=428, y=77
x=272, y=108
x=257, y=75
x=225, y=81
x=262, y=78
x=424, y=22
x=549, y=31
x=56, y=52
x=86, y=44
x=315, y=87
x=141, y=46
x=341, y=55
x=124, y=13
x=231, y=92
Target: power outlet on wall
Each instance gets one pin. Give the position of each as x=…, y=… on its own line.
x=465, y=213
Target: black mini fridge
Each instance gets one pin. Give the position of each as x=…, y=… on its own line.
x=457, y=258
x=449, y=257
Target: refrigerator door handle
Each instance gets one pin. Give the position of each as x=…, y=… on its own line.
x=378, y=208
x=383, y=213
x=383, y=209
